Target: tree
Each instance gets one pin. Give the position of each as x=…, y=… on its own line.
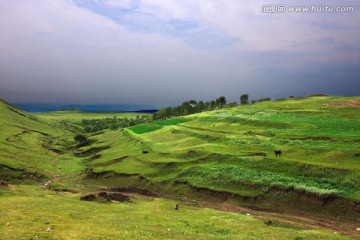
x=212, y=105
x=244, y=99
x=221, y=101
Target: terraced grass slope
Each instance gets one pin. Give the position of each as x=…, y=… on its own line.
x=221, y=158
x=29, y=146
x=230, y=152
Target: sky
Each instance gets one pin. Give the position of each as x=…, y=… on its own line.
x=164, y=52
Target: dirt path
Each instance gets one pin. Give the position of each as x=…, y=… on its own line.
x=55, y=177
x=306, y=222
x=302, y=221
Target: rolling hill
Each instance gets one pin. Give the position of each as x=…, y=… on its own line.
x=229, y=153
x=28, y=144
x=223, y=159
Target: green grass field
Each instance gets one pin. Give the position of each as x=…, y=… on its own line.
x=220, y=156
x=28, y=211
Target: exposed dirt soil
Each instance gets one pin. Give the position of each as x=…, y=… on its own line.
x=301, y=221
x=4, y=185
x=106, y=197
x=350, y=103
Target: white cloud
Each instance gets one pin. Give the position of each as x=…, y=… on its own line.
x=258, y=30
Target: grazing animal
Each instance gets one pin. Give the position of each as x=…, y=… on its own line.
x=277, y=153
x=177, y=206
x=145, y=152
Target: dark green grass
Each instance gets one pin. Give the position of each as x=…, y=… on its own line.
x=144, y=128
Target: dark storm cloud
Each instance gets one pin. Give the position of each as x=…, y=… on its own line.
x=167, y=52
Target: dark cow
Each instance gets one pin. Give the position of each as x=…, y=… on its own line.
x=177, y=206
x=277, y=153
x=145, y=152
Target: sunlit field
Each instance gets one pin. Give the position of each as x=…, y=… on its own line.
x=217, y=157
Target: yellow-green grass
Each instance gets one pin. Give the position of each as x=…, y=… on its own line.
x=156, y=125
x=28, y=211
x=29, y=145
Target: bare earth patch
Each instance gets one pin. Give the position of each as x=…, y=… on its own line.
x=350, y=103
x=4, y=185
x=306, y=222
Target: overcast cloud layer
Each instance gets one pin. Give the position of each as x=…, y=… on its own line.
x=166, y=52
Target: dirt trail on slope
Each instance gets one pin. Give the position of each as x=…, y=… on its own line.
x=306, y=222
x=55, y=177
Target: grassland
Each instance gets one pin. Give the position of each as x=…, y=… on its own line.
x=223, y=156
x=28, y=211
x=29, y=144
x=231, y=151
x=234, y=147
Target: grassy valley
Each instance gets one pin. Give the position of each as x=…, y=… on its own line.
x=222, y=159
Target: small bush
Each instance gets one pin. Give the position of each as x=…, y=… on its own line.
x=80, y=138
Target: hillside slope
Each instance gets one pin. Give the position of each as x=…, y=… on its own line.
x=27, y=144
x=220, y=159
x=230, y=153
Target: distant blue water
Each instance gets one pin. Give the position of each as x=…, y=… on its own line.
x=50, y=107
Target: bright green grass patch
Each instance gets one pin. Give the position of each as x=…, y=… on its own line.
x=144, y=128
x=30, y=211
